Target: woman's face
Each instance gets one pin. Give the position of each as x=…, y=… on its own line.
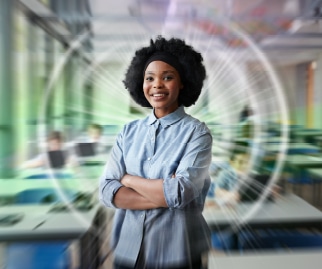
x=161, y=87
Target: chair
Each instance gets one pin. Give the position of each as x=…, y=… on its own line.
x=38, y=255
x=43, y=196
x=223, y=240
x=301, y=177
x=278, y=240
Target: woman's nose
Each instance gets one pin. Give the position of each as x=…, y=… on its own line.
x=157, y=83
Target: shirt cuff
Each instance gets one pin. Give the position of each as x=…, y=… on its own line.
x=108, y=192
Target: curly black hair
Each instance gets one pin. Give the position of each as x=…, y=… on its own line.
x=190, y=60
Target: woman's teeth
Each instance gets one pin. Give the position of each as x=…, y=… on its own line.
x=158, y=95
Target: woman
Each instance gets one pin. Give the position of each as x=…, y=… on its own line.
x=157, y=176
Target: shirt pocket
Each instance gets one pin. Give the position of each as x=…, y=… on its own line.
x=134, y=166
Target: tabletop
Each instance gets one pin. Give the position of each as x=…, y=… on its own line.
x=282, y=260
x=288, y=210
x=315, y=172
x=304, y=160
x=39, y=222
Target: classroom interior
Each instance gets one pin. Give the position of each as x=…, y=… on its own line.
x=61, y=70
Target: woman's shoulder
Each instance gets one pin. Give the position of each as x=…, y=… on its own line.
x=196, y=123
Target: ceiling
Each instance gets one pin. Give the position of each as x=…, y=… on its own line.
x=286, y=31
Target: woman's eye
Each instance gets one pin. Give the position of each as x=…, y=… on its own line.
x=149, y=78
x=168, y=78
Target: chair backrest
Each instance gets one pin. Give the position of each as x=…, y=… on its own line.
x=223, y=240
x=38, y=176
x=38, y=255
x=43, y=196
x=85, y=149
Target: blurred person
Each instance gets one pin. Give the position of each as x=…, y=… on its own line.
x=247, y=122
x=226, y=183
x=231, y=177
x=95, y=132
x=216, y=166
x=55, y=143
x=95, y=135
x=157, y=177
x=245, y=113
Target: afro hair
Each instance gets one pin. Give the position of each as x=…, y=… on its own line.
x=190, y=60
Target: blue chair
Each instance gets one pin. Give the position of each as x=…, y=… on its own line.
x=48, y=176
x=43, y=196
x=279, y=240
x=304, y=151
x=223, y=240
x=38, y=255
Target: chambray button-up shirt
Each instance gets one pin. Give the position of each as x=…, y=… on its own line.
x=176, y=144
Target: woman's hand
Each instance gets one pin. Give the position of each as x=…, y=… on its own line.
x=151, y=189
x=125, y=180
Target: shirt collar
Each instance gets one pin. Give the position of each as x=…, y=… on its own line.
x=168, y=119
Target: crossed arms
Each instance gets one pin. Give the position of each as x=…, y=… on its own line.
x=139, y=193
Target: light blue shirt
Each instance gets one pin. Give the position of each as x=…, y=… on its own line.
x=181, y=146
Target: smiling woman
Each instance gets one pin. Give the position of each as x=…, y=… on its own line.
x=157, y=175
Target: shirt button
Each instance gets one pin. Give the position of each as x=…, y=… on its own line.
x=149, y=159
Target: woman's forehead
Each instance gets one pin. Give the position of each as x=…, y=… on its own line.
x=159, y=65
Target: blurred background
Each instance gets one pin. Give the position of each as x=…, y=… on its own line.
x=62, y=100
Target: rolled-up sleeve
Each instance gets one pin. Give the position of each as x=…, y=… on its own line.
x=191, y=173
x=110, y=179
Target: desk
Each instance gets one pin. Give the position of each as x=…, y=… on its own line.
x=288, y=211
x=293, y=260
x=260, y=141
x=275, y=140
x=303, y=161
x=10, y=187
x=300, y=135
x=47, y=172
x=316, y=172
x=100, y=159
x=299, y=162
x=292, y=148
x=318, y=139
x=40, y=224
